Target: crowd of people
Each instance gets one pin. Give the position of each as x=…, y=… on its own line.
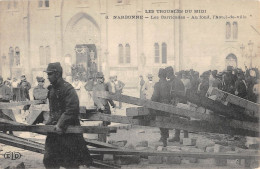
x=244, y=84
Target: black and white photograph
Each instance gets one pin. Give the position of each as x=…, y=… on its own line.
x=146, y=84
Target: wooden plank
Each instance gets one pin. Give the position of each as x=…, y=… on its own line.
x=22, y=103
x=157, y=106
x=137, y=111
x=99, y=144
x=217, y=107
x=199, y=155
x=50, y=129
x=21, y=140
x=224, y=96
x=227, y=127
x=170, y=109
x=9, y=113
x=32, y=116
x=201, y=126
x=112, y=118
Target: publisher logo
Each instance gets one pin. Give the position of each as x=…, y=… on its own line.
x=12, y=155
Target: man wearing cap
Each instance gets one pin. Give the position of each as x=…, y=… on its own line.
x=148, y=87
x=39, y=92
x=63, y=150
x=162, y=94
x=101, y=103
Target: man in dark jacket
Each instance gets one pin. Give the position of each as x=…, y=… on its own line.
x=176, y=87
x=161, y=94
x=5, y=96
x=240, y=85
x=66, y=150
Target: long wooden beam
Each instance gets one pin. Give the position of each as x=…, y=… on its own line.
x=177, y=123
x=22, y=103
x=224, y=96
x=139, y=114
x=8, y=125
x=200, y=155
x=218, y=107
x=50, y=129
x=157, y=106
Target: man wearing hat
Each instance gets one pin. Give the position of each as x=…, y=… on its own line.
x=162, y=94
x=149, y=87
x=204, y=84
x=39, y=92
x=63, y=150
x=101, y=103
x=229, y=83
x=5, y=96
x=25, y=83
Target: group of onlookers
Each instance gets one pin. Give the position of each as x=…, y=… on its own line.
x=244, y=84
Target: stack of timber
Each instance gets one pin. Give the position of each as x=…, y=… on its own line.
x=214, y=123
x=39, y=148
x=252, y=107
x=219, y=108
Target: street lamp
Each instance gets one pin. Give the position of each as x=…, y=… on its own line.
x=250, y=46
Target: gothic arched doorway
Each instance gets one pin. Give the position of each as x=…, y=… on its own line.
x=231, y=60
x=82, y=40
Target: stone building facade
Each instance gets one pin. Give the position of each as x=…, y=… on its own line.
x=36, y=32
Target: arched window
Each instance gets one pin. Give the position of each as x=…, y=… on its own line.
x=40, y=3
x=17, y=56
x=47, y=3
x=127, y=53
x=164, y=52
x=121, y=53
x=156, y=53
x=43, y=3
x=228, y=30
x=42, y=56
x=11, y=56
x=235, y=30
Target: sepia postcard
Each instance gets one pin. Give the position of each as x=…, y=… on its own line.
x=138, y=48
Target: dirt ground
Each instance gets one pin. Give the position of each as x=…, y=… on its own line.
x=132, y=134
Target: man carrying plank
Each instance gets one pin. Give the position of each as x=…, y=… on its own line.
x=66, y=150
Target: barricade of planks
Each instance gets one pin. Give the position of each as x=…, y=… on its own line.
x=39, y=148
x=167, y=117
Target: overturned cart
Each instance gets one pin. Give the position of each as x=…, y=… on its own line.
x=223, y=122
